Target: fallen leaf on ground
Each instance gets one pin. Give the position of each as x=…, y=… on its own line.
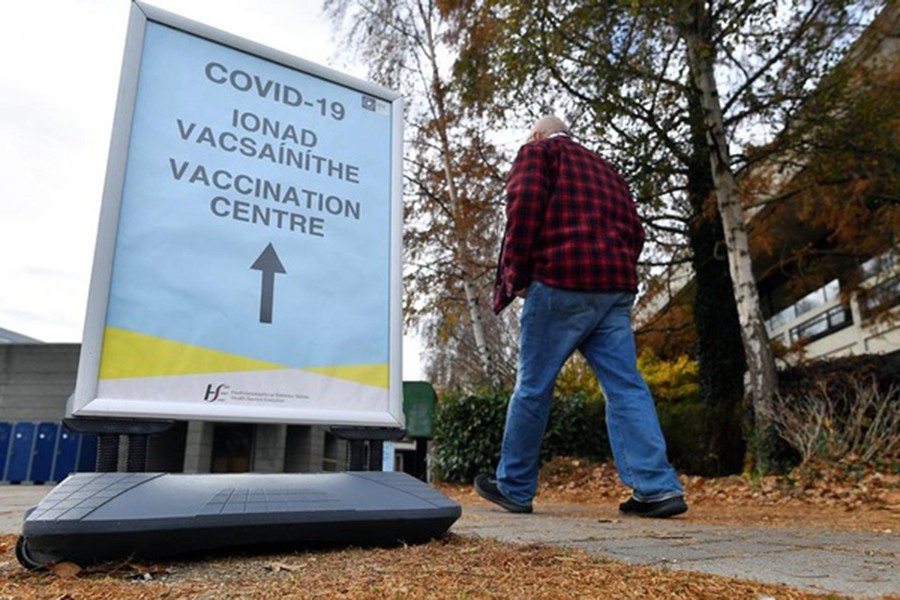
x=65, y=570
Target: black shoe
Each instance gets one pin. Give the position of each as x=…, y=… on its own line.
x=659, y=509
x=486, y=486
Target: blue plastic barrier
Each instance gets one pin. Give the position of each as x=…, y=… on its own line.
x=44, y=452
x=20, y=452
x=66, y=454
x=5, y=436
x=87, y=454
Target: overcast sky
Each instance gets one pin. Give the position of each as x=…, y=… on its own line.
x=59, y=74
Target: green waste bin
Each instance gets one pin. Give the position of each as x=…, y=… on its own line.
x=419, y=399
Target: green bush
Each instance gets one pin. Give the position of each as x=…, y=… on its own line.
x=577, y=428
x=684, y=427
x=469, y=432
x=670, y=380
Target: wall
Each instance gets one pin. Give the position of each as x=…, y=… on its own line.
x=36, y=380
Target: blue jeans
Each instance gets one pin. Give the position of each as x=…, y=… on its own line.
x=555, y=323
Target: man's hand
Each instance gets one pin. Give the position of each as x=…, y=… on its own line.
x=521, y=293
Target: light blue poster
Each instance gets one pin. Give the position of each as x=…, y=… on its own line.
x=252, y=264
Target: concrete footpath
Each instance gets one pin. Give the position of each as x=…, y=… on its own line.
x=865, y=565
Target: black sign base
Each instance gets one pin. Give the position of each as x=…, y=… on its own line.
x=96, y=517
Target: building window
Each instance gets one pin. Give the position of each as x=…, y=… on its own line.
x=821, y=325
x=880, y=297
x=880, y=265
x=828, y=292
x=780, y=319
x=820, y=297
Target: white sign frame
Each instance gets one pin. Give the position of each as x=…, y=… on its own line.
x=86, y=401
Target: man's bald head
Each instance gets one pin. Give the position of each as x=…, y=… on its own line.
x=547, y=126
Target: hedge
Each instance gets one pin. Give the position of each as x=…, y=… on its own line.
x=469, y=432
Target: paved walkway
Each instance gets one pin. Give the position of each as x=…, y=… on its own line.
x=855, y=564
x=15, y=500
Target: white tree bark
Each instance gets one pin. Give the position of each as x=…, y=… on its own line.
x=760, y=361
x=475, y=319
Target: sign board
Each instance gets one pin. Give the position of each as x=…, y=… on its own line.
x=248, y=256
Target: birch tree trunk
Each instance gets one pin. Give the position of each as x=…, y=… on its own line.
x=695, y=30
x=462, y=255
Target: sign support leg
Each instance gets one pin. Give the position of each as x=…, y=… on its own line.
x=357, y=438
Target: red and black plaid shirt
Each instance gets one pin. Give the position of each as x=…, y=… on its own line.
x=571, y=223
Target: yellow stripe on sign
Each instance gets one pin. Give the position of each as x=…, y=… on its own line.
x=129, y=354
x=377, y=375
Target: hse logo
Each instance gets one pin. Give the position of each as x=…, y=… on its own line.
x=216, y=393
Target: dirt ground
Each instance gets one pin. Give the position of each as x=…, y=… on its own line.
x=463, y=567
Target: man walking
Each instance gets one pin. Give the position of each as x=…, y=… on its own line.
x=571, y=247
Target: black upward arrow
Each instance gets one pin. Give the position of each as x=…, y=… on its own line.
x=269, y=264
